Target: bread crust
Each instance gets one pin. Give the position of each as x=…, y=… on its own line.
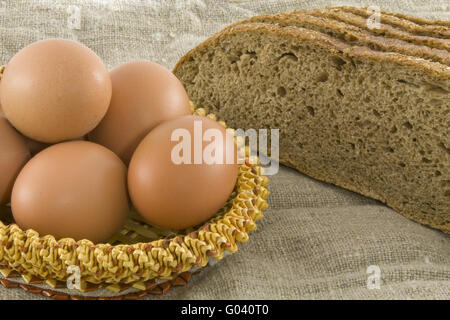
x=434, y=30
x=418, y=20
x=356, y=35
x=384, y=29
x=435, y=69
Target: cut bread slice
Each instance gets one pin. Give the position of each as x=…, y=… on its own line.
x=374, y=122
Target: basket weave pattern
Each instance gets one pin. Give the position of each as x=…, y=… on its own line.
x=139, y=253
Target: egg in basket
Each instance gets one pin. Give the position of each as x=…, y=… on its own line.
x=114, y=180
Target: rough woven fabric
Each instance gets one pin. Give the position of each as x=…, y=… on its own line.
x=316, y=241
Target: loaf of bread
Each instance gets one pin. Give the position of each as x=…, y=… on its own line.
x=365, y=108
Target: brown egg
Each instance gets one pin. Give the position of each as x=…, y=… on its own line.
x=73, y=189
x=55, y=90
x=144, y=95
x=166, y=185
x=13, y=156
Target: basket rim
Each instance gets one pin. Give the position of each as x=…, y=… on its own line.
x=55, y=293
x=46, y=258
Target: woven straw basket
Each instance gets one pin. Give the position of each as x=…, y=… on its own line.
x=138, y=260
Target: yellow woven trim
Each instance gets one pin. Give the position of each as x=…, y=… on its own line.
x=162, y=258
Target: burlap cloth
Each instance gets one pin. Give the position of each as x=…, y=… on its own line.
x=316, y=240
